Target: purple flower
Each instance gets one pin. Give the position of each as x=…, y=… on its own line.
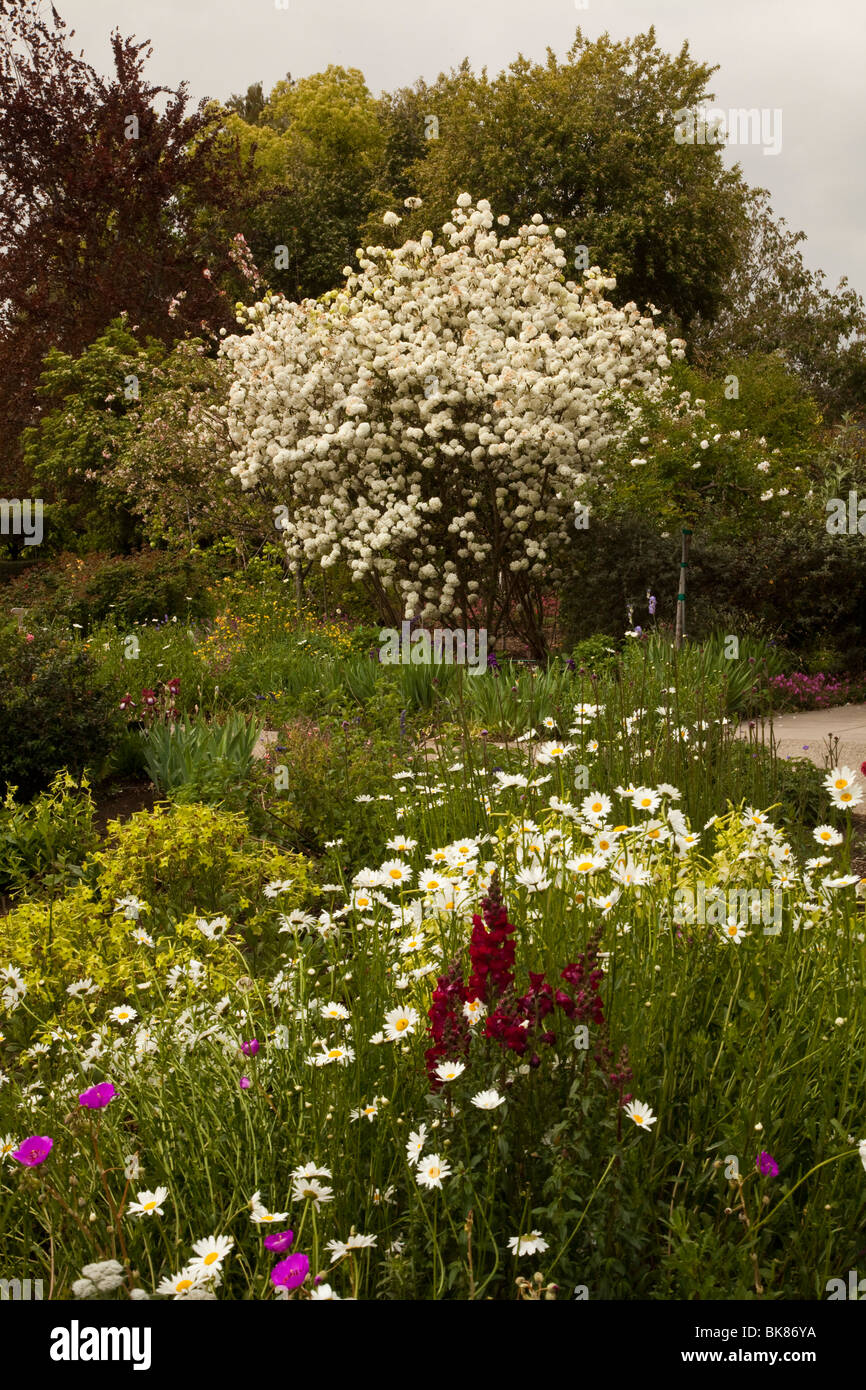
x=279, y=1241
x=290, y=1273
x=249, y=1049
x=33, y=1150
x=245, y=1083
x=767, y=1165
x=98, y=1096
x=652, y=602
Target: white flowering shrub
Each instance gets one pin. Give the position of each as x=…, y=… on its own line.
x=433, y=422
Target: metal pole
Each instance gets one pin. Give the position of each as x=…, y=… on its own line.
x=681, y=592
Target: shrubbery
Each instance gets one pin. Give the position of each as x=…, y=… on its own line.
x=53, y=716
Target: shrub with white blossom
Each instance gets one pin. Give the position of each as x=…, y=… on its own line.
x=434, y=421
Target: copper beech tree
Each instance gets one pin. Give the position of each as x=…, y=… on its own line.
x=112, y=198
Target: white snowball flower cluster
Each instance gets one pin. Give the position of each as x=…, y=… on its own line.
x=433, y=421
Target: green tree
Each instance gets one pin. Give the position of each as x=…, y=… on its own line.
x=318, y=146
x=774, y=303
x=131, y=446
x=86, y=405
x=590, y=143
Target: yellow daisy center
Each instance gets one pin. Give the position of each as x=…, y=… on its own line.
x=211, y=1256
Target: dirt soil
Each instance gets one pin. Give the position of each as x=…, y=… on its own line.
x=120, y=800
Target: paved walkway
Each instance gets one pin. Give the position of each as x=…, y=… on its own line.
x=806, y=734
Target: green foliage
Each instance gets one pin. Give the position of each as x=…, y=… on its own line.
x=86, y=414
x=775, y=303
x=689, y=458
x=597, y=654
x=59, y=942
x=588, y=142
x=143, y=587
x=52, y=716
x=317, y=145
x=130, y=446
x=190, y=759
x=44, y=844
x=317, y=772
x=196, y=859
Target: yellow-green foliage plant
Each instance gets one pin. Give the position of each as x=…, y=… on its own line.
x=175, y=885
x=200, y=860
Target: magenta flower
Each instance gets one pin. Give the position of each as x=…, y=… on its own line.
x=767, y=1165
x=33, y=1150
x=290, y=1273
x=98, y=1096
x=279, y=1241
x=245, y=1083
x=249, y=1049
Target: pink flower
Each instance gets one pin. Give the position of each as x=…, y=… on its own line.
x=279, y=1241
x=245, y=1083
x=29, y=637
x=33, y=1150
x=98, y=1096
x=290, y=1273
x=249, y=1049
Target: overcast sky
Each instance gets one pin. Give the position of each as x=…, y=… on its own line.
x=803, y=58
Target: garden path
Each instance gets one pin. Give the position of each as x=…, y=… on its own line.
x=807, y=733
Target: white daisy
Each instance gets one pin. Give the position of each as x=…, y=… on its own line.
x=399, y=1023
x=210, y=1253
x=641, y=1114
x=531, y=1244
x=415, y=1143
x=487, y=1100
x=431, y=1170
x=449, y=1071
x=149, y=1203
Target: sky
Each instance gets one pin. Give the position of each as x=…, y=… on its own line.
x=794, y=57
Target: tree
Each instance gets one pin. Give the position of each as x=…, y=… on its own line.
x=108, y=204
x=729, y=465
x=591, y=143
x=130, y=447
x=317, y=145
x=431, y=422
x=774, y=303
x=249, y=106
